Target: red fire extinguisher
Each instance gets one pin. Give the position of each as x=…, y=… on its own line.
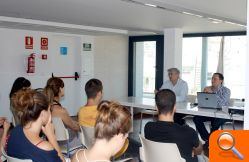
x=31, y=63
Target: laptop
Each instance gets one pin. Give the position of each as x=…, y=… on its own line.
x=207, y=100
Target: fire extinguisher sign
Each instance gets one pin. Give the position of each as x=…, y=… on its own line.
x=44, y=43
x=28, y=42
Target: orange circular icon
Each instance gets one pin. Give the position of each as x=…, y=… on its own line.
x=226, y=141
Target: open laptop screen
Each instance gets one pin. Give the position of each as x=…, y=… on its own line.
x=207, y=100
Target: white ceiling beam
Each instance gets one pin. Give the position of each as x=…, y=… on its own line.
x=62, y=25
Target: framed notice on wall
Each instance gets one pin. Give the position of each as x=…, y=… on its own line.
x=87, y=46
x=44, y=43
x=63, y=50
x=28, y=42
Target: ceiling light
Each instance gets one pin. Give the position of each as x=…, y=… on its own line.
x=213, y=19
x=241, y=25
x=150, y=5
x=215, y=22
x=232, y=23
x=188, y=13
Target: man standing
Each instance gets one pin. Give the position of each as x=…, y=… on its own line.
x=223, y=96
x=177, y=85
x=165, y=130
x=87, y=114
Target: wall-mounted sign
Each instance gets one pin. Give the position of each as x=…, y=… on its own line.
x=44, y=56
x=63, y=50
x=29, y=42
x=87, y=46
x=44, y=43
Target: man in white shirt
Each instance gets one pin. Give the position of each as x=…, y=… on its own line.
x=180, y=88
x=177, y=85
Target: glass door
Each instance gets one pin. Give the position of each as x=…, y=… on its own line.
x=146, y=63
x=145, y=72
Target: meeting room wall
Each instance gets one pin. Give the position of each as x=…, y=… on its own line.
x=13, y=64
x=111, y=65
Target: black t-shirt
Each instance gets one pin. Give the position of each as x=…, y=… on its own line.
x=169, y=132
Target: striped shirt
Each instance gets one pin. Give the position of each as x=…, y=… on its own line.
x=223, y=95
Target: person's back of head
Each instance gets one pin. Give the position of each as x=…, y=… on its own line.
x=93, y=87
x=53, y=88
x=112, y=119
x=165, y=101
x=30, y=104
x=19, y=83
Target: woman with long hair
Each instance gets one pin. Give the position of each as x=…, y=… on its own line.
x=24, y=141
x=111, y=131
x=55, y=91
x=19, y=84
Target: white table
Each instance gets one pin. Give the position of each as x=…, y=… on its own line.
x=181, y=107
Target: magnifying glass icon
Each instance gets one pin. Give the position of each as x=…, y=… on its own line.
x=226, y=142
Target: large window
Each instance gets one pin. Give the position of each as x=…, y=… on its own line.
x=235, y=65
x=201, y=56
x=191, y=64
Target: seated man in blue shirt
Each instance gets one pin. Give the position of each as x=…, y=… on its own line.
x=165, y=130
x=223, y=96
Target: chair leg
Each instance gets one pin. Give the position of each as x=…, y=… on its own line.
x=233, y=125
x=141, y=122
x=221, y=127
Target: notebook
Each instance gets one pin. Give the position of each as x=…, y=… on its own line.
x=207, y=100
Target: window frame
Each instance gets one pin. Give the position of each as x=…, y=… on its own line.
x=159, y=59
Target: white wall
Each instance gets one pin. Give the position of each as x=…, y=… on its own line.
x=13, y=64
x=172, y=50
x=111, y=65
x=246, y=113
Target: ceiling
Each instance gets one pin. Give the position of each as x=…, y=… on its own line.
x=124, y=16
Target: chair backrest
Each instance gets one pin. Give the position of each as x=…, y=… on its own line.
x=61, y=132
x=87, y=136
x=12, y=159
x=124, y=160
x=159, y=152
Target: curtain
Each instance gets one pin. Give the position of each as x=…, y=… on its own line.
x=220, y=67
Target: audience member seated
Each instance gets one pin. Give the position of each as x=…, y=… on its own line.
x=19, y=83
x=223, y=96
x=5, y=125
x=24, y=141
x=111, y=130
x=165, y=130
x=87, y=114
x=55, y=91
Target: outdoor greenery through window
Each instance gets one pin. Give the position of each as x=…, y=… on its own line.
x=201, y=56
